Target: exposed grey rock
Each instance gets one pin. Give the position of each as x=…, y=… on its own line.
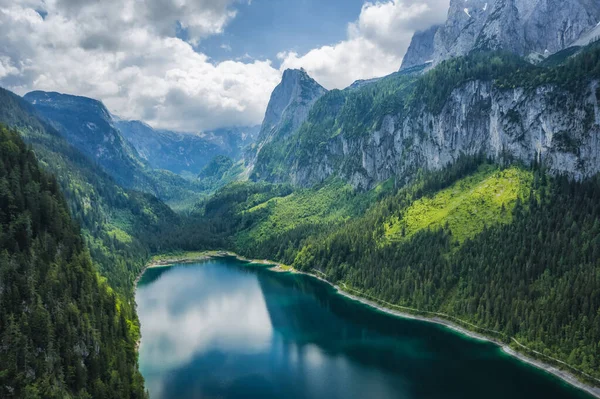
x=559, y=127
x=289, y=103
x=530, y=28
x=288, y=108
x=421, y=48
x=588, y=37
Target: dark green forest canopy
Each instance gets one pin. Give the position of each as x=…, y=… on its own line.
x=61, y=331
x=534, y=275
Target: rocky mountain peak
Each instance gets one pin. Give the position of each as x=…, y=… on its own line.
x=297, y=91
x=530, y=28
x=421, y=48
x=288, y=108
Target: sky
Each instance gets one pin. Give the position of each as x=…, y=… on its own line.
x=194, y=65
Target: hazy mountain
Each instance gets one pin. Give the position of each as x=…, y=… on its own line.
x=185, y=153
x=88, y=126
x=421, y=49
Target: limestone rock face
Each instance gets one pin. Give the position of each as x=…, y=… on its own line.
x=530, y=28
x=550, y=123
x=290, y=101
x=421, y=48
x=559, y=127
x=288, y=108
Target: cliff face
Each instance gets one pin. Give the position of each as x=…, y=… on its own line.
x=421, y=48
x=288, y=108
x=560, y=127
x=530, y=28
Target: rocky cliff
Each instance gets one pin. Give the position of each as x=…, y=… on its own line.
x=288, y=108
x=492, y=103
x=550, y=124
x=530, y=28
x=421, y=49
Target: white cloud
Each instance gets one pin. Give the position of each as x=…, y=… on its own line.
x=339, y=65
x=128, y=57
x=375, y=43
x=127, y=53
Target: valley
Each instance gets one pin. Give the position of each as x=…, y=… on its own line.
x=462, y=189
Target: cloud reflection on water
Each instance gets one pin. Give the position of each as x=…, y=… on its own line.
x=187, y=312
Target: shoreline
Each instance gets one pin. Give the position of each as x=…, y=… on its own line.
x=276, y=267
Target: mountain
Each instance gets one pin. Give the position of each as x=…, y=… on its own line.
x=507, y=251
x=529, y=28
x=588, y=37
x=87, y=125
x=421, y=49
x=63, y=332
x=185, y=153
x=288, y=108
x=495, y=103
x=118, y=225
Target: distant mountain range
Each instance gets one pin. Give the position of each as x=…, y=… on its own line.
x=133, y=153
x=461, y=185
x=185, y=153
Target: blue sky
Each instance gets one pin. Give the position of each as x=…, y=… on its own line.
x=194, y=65
x=264, y=28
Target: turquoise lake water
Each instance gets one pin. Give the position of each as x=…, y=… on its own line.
x=224, y=329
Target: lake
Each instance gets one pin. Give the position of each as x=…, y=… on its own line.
x=222, y=328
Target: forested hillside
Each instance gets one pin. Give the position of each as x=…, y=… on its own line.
x=63, y=332
x=87, y=125
x=437, y=191
x=119, y=226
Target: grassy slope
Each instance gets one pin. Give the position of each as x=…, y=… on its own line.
x=483, y=199
x=321, y=207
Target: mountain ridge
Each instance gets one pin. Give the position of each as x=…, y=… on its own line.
x=87, y=125
x=491, y=102
x=185, y=153
x=529, y=28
